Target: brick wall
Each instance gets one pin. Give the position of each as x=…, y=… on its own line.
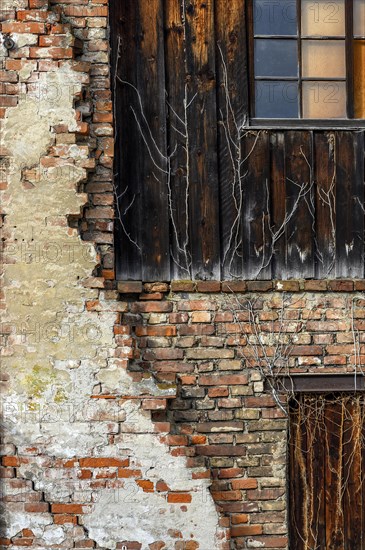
x=134, y=416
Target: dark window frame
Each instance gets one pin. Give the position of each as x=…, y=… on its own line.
x=302, y=123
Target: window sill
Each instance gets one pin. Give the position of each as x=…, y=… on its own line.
x=299, y=124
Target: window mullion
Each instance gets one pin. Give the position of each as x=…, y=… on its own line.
x=299, y=37
x=349, y=21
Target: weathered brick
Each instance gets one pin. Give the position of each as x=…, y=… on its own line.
x=246, y=530
x=221, y=450
x=130, y=287
x=223, y=379
x=179, y=498
x=67, y=508
x=209, y=353
x=105, y=462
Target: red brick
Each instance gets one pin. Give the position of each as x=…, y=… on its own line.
x=81, y=11
x=315, y=286
x=60, y=519
x=161, y=487
x=32, y=15
x=7, y=473
x=130, y=287
x=146, y=485
x=218, y=392
x=23, y=542
x=306, y=350
x=10, y=461
x=86, y=544
x=35, y=4
x=198, y=439
x=104, y=462
x=234, y=286
x=36, y=507
x=239, y=518
x=223, y=379
x=151, y=307
x=226, y=495
x=259, y=286
x=52, y=52
x=154, y=404
x=244, y=483
x=226, y=473
x=67, y=508
x=245, y=530
x=125, y=472
x=156, y=330
x=221, y=450
x=341, y=286
x=183, y=286
x=21, y=28
x=259, y=402
x=85, y=474
x=208, y=286
x=179, y=497
x=8, y=101
x=176, y=440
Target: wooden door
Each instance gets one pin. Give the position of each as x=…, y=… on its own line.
x=327, y=466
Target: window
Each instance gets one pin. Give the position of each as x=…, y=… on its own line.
x=308, y=59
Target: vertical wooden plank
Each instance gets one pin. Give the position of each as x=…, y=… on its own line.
x=362, y=469
x=124, y=56
x=334, y=474
x=232, y=107
x=178, y=139
x=325, y=203
x=202, y=127
x=151, y=86
x=315, y=467
x=255, y=236
x=299, y=211
x=278, y=199
x=349, y=204
x=293, y=507
x=352, y=501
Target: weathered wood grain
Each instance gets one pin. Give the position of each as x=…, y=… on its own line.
x=202, y=125
x=232, y=116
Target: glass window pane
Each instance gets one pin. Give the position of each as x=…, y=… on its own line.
x=359, y=78
x=272, y=18
x=276, y=99
x=323, y=58
x=276, y=57
x=324, y=99
x=359, y=18
x=323, y=18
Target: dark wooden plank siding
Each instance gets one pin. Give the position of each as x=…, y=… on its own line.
x=349, y=204
x=153, y=164
x=255, y=218
x=299, y=207
x=232, y=113
x=325, y=203
x=201, y=194
x=178, y=139
x=202, y=129
x=127, y=181
x=277, y=203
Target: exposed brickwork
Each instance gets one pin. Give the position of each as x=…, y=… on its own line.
x=185, y=347
x=222, y=419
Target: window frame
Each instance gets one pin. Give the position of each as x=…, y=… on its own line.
x=303, y=123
